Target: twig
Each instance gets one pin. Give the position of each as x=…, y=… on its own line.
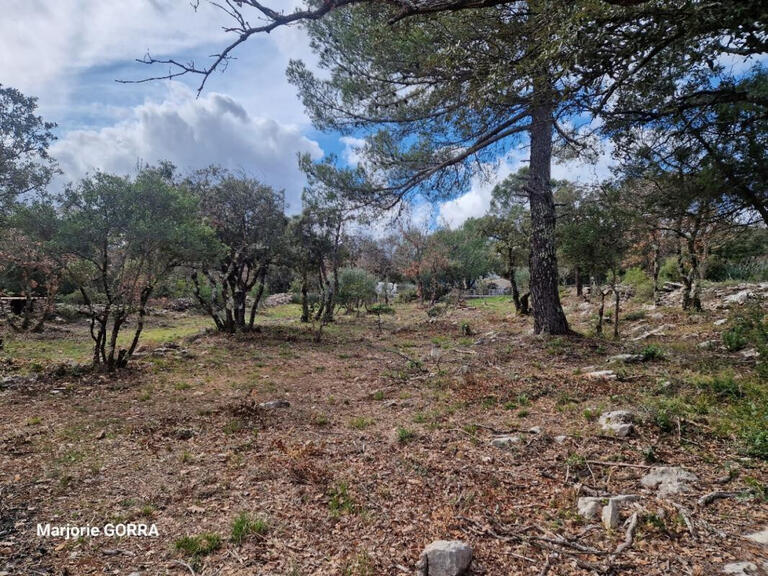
x=717, y=495
x=629, y=537
x=686, y=518
x=185, y=565
x=624, y=464
x=547, y=565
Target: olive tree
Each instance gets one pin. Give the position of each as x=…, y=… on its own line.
x=249, y=223
x=121, y=237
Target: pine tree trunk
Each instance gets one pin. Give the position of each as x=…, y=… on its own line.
x=579, y=285
x=548, y=315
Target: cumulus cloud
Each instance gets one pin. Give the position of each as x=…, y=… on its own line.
x=192, y=133
x=476, y=202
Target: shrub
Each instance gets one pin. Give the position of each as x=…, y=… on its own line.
x=652, y=352
x=669, y=271
x=640, y=282
x=749, y=326
x=357, y=287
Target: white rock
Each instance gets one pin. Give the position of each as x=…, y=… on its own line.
x=660, y=331
x=740, y=568
x=505, y=441
x=589, y=506
x=619, y=422
x=759, y=537
x=709, y=344
x=626, y=358
x=611, y=515
x=560, y=439
x=601, y=375
x=445, y=558
x=535, y=430
x=749, y=354
x=738, y=298
x=720, y=322
x=668, y=480
x=623, y=499
x=273, y=404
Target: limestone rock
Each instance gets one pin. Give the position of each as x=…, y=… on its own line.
x=589, y=506
x=611, y=515
x=601, y=375
x=720, y=322
x=759, y=537
x=626, y=358
x=274, y=404
x=505, y=442
x=445, y=558
x=668, y=480
x=740, y=568
x=738, y=298
x=620, y=422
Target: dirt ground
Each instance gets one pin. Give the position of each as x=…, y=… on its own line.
x=385, y=447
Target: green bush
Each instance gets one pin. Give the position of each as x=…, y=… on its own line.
x=749, y=327
x=669, y=271
x=357, y=287
x=640, y=282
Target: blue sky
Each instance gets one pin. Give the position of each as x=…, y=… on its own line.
x=69, y=53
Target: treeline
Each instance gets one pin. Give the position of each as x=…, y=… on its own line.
x=111, y=243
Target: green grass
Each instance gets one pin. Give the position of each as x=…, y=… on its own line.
x=734, y=406
x=245, y=525
x=360, y=423
x=199, y=545
x=404, y=435
x=340, y=502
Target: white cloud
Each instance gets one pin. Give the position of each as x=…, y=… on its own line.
x=476, y=202
x=192, y=133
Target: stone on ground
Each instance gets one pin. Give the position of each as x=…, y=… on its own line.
x=274, y=404
x=759, y=537
x=445, y=558
x=668, y=480
x=620, y=422
x=611, y=515
x=626, y=358
x=601, y=375
x=589, y=506
x=505, y=442
x=740, y=568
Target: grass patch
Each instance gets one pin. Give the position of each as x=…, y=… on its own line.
x=199, y=545
x=245, y=525
x=404, y=435
x=360, y=423
x=340, y=502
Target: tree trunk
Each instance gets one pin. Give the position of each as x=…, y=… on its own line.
x=616, y=303
x=304, y=298
x=579, y=286
x=548, y=315
x=656, y=271
x=600, y=313
x=513, y=280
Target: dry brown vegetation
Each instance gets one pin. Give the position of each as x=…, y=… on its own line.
x=384, y=448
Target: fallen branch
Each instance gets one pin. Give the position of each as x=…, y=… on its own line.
x=687, y=519
x=185, y=565
x=624, y=464
x=719, y=495
x=629, y=537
